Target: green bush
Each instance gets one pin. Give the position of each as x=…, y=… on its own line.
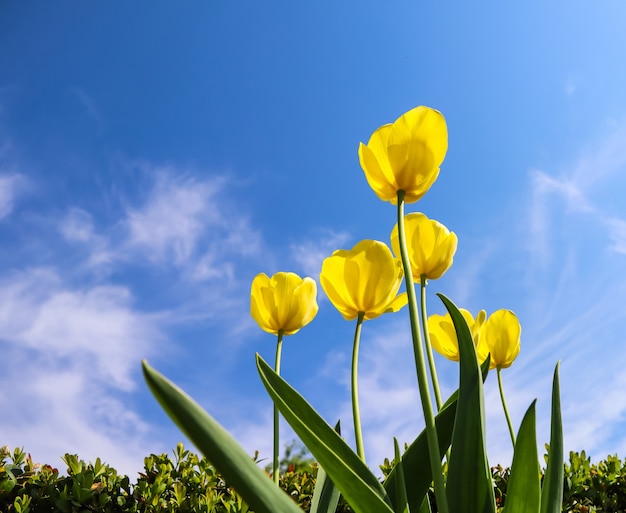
x=188, y=483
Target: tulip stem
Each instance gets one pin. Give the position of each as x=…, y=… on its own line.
x=420, y=365
x=279, y=347
x=506, y=410
x=358, y=434
x=429, y=347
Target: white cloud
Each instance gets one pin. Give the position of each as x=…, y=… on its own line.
x=617, y=234
x=576, y=240
x=309, y=255
x=172, y=220
x=568, y=189
x=89, y=104
x=77, y=226
x=70, y=356
x=9, y=188
x=186, y=222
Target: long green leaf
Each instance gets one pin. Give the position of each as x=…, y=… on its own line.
x=401, y=504
x=356, y=483
x=325, y=494
x=523, y=493
x=552, y=491
x=469, y=488
x=416, y=460
x=259, y=492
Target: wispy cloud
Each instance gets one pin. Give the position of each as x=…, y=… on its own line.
x=169, y=225
x=308, y=255
x=72, y=352
x=72, y=336
x=576, y=242
x=10, y=186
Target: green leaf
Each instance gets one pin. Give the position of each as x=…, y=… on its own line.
x=325, y=494
x=219, y=447
x=351, y=476
x=552, y=491
x=416, y=459
x=401, y=504
x=469, y=488
x=523, y=493
x=425, y=507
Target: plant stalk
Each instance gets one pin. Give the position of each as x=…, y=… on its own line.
x=420, y=366
x=358, y=434
x=506, y=410
x=429, y=347
x=279, y=347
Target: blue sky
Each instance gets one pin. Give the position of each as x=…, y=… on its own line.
x=155, y=158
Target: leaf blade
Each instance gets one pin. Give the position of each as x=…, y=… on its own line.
x=523, y=493
x=552, y=491
x=259, y=492
x=469, y=487
x=351, y=476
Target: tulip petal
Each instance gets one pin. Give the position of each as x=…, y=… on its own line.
x=422, y=124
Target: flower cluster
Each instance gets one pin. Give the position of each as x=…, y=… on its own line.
x=401, y=162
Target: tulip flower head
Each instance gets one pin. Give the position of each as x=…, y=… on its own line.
x=405, y=155
x=431, y=246
x=283, y=303
x=443, y=336
x=363, y=279
x=501, y=338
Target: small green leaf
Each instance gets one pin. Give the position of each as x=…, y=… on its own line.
x=351, y=476
x=523, y=493
x=552, y=491
x=469, y=488
x=219, y=447
x=401, y=504
x=325, y=494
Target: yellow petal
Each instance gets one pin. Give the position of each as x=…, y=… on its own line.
x=443, y=336
x=425, y=125
x=502, y=334
x=400, y=301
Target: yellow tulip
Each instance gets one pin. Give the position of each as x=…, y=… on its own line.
x=501, y=338
x=443, y=336
x=364, y=279
x=498, y=336
x=431, y=246
x=283, y=303
x=405, y=155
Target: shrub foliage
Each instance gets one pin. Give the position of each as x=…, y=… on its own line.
x=188, y=483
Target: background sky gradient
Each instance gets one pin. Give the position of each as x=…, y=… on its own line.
x=154, y=157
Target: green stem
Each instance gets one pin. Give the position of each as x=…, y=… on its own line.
x=506, y=410
x=279, y=347
x=358, y=434
x=420, y=366
x=429, y=348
